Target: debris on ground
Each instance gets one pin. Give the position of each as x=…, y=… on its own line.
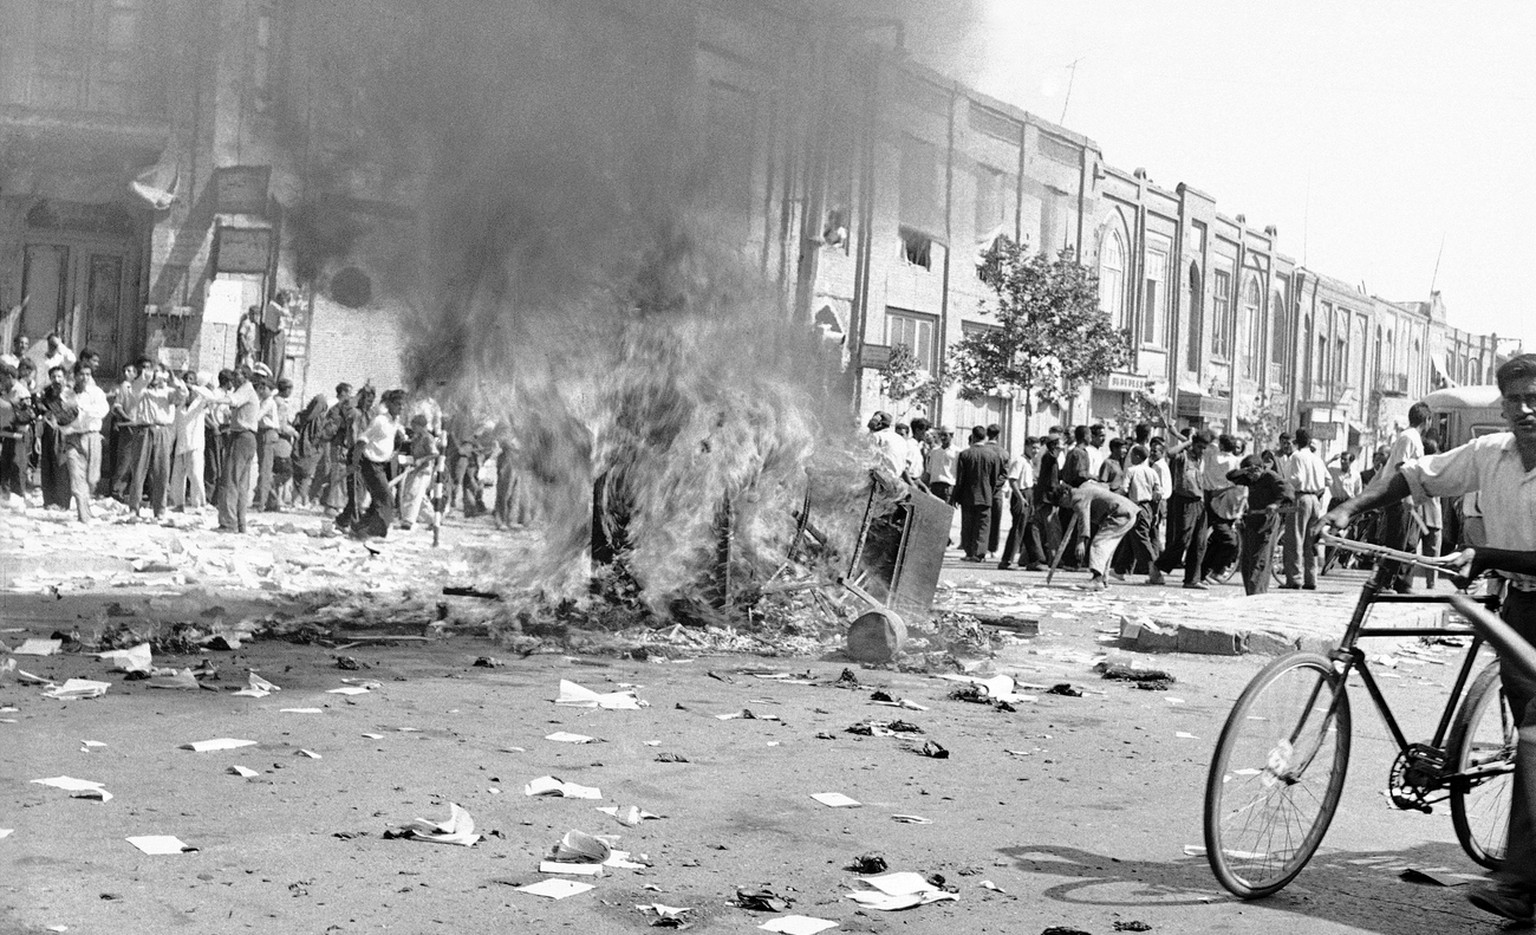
x=553, y=786
x=671, y=758
x=458, y=829
x=903, y=890
x=761, y=901
x=561, y=736
x=74, y=689
x=835, y=800
x=630, y=815
x=1134, y=925
x=218, y=743
x=797, y=925
x=1145, y=679
x=487, y=662
x=160, y=844
x=666, y=916
x=1065, y=689
x=573, y=695
x=867, y=863
x=555, y=888
x=932, y=749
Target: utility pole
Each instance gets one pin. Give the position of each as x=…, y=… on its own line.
x=1435, y=276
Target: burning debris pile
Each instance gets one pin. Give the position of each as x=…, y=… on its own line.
x=576, y=282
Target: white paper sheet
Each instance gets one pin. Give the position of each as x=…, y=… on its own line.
x=835, y=800
x=797, y=925
x=37, y=647
x=555, y=889
x=218, y=743
x=69, y=783
x=577, y=696
x=159, y=844
x=561, y=736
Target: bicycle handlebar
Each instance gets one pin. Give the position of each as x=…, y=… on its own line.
x=1513, y=648
x=1381, y=551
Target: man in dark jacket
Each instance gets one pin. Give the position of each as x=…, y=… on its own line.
x=979, y=474
x=1267, y=495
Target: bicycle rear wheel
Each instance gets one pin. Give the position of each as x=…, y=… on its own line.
x=1277, y=774
x=1482, y=744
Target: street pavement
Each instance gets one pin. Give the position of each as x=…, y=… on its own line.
x=1079, y=811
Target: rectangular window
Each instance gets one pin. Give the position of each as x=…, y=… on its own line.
x=917, y=248
x=914, y=331
x=1154, y=319
x=86, y=55
x=1221, y=314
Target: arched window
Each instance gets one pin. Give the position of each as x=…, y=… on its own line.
x=1112, y=276
x=1277, y=327
x=1341, y=346
x=1253, y=331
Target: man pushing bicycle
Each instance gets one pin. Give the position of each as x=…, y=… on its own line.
x=1501, y=468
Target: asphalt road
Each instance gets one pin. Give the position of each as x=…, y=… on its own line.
x=1077, y=809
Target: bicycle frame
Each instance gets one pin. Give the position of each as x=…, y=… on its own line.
x=1348, y=655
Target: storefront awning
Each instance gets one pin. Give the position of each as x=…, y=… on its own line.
x=1440, y=374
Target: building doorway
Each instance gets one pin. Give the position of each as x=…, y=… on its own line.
x=80, y=277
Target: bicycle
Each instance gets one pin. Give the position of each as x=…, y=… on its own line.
x=1278, y=769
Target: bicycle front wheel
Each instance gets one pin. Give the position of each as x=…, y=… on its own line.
x=1481, y=751
x=1277, y=774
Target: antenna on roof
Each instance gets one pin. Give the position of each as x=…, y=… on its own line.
x=1434, y=277
x=1071, y=77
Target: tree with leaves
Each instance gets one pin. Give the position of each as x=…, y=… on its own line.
x=902, y=382
x=1051, y=336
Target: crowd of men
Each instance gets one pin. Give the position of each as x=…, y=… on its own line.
x=163, y=440
x=1149, y=504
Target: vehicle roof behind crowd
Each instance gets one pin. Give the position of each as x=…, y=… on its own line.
x=1464, y=397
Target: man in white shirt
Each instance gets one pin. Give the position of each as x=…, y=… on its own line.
x=82, y=441
x=1143, y=487
x=53, y=352
x=187, y=487
x=376, y=456
x=1399, y=526
x=1308, y=476
x=1500, y=468
x=1097, y=435
x=234, y=491
x=939, y=466
x=152, y=411
x=1023, y=536
x=890, y=447
x=1158, y=458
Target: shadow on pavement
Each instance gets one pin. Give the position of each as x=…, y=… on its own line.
x=1359, y=889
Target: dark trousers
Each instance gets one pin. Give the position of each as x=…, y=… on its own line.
x=381, y=507
x=235, y=480
x=975, y=521
x=151, y=467
x=122, y=460
x=1258, y=550
x=1221, y=548
x=1186, y=530
x=1023, y=537
x=1520, y=853
x=52, y=472
x=15, y=461
x=1399, y=531
x=1136, y=548
x=995, y=528
x=941, y=490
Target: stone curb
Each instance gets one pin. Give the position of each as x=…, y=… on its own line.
x=1228, y=627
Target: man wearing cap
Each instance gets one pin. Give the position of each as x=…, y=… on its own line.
x=1307, y=475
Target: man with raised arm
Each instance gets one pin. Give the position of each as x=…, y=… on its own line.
x=1501, y=469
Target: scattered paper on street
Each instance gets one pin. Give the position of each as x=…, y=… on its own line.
x=555, y=888
x=561, y=736
x=69, y=783
x=902, y=890
x=77, y=688
x=243, y=772
x=551, y=785
x=797, y=925
x=835, y=800
x=573, y=695
x=257, y=687
x=159, y=844
x=137, y=659
x=571, y=867
x=630, y=815
x=301, y=710
x=348, y=690
x=91, y=746
x=218, y=743
x=37, y=647
x=912, y=819
x=458, y=829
